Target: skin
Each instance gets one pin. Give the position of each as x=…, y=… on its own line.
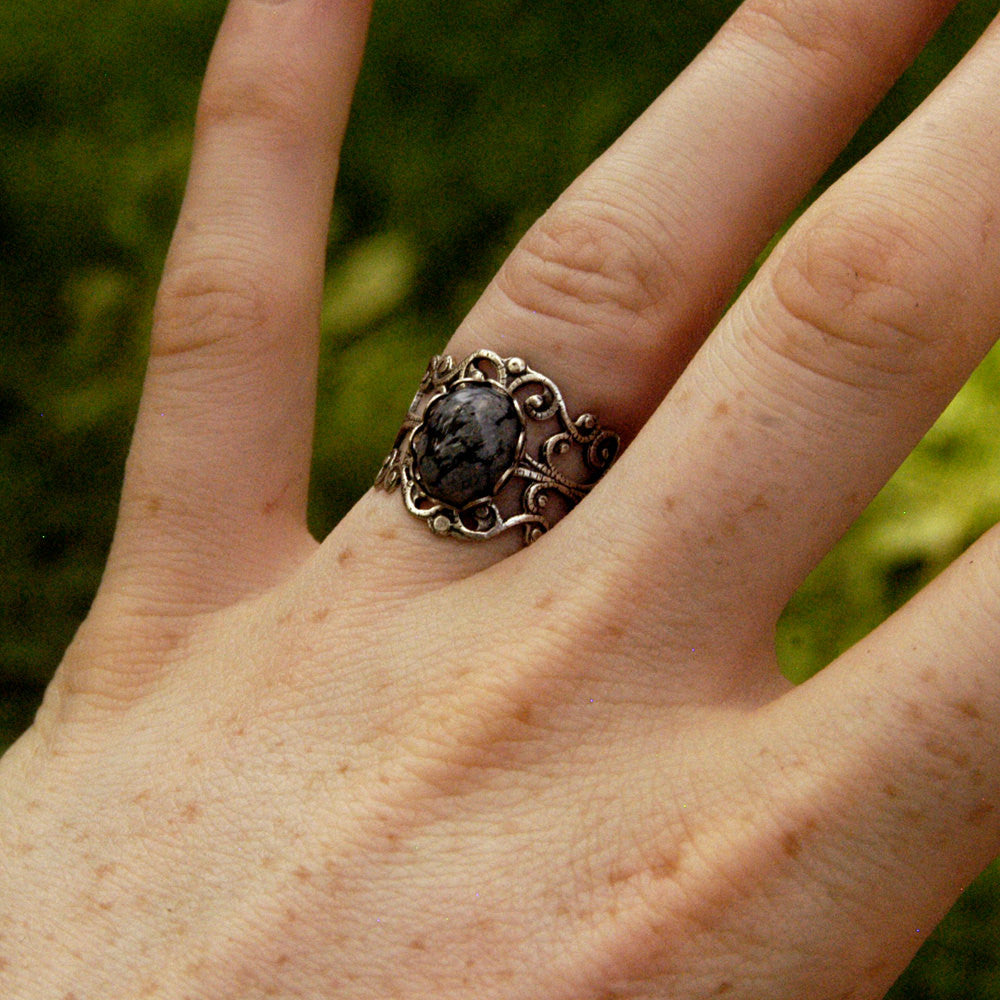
x=269, y=767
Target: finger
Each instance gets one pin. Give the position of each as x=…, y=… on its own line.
x=612, y=290
x=862, y=804
x=630, y=268
x=898, y=738
x=216, y=482
x=848, y=344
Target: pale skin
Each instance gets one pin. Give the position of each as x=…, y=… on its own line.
x=271, y=767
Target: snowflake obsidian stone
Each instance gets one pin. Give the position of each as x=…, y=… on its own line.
x=488, y=445
x=468, y=444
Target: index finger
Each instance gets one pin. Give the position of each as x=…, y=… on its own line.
x=216, y=483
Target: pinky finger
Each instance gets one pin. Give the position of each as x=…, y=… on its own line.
x=904, y=767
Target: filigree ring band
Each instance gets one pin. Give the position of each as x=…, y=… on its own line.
x=488, y=445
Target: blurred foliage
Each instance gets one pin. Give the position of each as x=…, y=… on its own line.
x=469, y=120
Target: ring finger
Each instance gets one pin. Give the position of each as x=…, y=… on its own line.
x=840, y=354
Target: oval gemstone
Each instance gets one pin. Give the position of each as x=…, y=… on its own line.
x=468, y=441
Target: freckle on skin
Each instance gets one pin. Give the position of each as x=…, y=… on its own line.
x=944, y=750
x=664, y=868
x=545, y=601
x=103, y=871
x=345, y=555
x=969, y=710
x=303, y=874
x=791, y=845
x=979, y=814
x=721, y=409
x=988, y=227
x=767, y=420
x=321, y=615
x=270, y=506
x=171, y=641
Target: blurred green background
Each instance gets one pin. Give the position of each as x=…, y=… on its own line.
x=469, y=120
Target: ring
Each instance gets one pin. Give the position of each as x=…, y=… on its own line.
x=488, y=445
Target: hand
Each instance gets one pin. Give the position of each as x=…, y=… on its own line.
x=394, y=766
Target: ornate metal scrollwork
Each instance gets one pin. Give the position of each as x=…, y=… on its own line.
x=488, y=445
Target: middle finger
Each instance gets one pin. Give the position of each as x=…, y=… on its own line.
x=614, y=288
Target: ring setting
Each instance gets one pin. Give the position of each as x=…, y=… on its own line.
x=488, y=445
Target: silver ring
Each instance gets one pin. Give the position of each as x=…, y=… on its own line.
x=488, y=445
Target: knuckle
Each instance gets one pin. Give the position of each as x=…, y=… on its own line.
x=200, y=306
x=272, y=103
x=106, y=672
x=813, y=29
x=592, y=264
x=845, y=294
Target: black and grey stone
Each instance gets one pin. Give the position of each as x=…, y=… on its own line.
x=487, y=444
x=467, y=444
